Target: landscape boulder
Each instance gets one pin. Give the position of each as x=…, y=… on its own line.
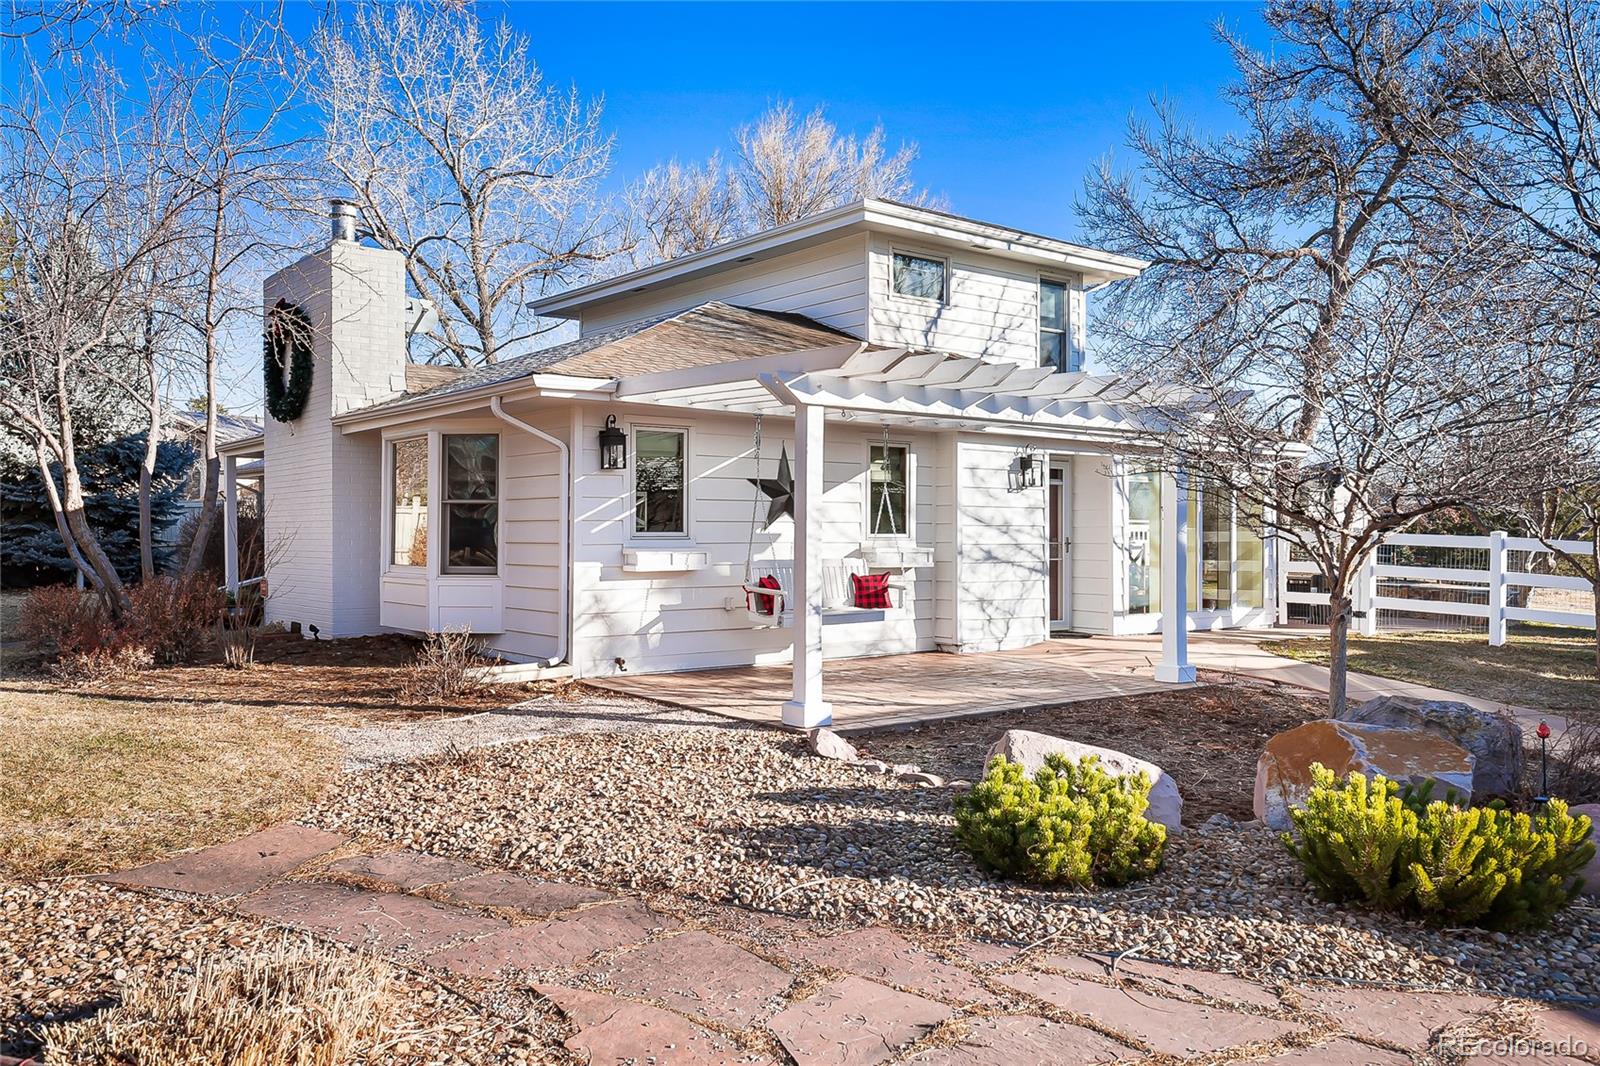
x=827, y=744
x=1495, y=740
x=1029, y=749
x=1406, y=756
x=1591, y=872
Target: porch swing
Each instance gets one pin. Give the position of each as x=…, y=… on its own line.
x=769, y=587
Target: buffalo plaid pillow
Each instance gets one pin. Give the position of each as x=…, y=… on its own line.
x=764, y=604
x=872, y=590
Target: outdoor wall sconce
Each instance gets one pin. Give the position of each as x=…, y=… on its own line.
x=1028, y=468
x=613, y=446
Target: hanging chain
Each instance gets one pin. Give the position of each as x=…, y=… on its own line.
x=884, y=510
x=755, y=507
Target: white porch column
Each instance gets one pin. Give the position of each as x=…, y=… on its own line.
x=807, y=710
x=1174, y=666
x=230, y=523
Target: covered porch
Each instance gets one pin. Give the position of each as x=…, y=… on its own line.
x=893, y=690
x=991, y=551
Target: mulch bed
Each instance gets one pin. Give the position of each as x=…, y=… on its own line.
x=1207, y=738
x=364, y=675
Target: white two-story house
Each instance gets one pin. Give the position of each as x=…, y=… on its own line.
x=864, y=433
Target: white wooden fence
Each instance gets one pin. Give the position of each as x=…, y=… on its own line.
x=1424, y=581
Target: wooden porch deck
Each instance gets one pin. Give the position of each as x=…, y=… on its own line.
x=891, y=690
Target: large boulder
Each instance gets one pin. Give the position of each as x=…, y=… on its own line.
x=1030, y=749
x=1591, y=872
x=1495, y=740
x=1407, y=756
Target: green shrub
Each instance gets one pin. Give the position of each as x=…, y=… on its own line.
x=1368, y=842
x=1070, y=823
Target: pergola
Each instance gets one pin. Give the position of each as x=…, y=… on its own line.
x=899, y=386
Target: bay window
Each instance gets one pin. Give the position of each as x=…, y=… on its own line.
x=471, y=503
x=408, y=518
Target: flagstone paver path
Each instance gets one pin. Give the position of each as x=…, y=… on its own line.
x=637, y=985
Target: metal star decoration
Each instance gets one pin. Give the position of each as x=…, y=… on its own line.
x=779, y=489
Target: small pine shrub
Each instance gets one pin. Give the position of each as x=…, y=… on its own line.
x=1368, y=842
x=1070, y=823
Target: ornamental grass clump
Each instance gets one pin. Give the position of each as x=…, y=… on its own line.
x=1367, y=842
x=1070, y=823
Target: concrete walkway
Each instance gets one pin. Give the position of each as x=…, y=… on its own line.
x=638, y=985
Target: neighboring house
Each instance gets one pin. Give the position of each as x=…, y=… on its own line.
x=190, y=427
x=596, y=503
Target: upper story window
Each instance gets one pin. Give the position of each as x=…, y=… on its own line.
x=659, y=488
x=1053, y=325
x=471, y=503
x=919, y=276
x=408, y=529
x=888, y=491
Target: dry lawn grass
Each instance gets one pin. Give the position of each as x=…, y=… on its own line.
x=93, y=784
x=1551, y=671
x=297, y=1004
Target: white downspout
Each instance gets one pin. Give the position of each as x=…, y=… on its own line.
x=566, y=521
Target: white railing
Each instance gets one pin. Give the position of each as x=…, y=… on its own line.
x=1486, y=581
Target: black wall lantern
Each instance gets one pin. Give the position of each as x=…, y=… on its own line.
x=1028, y=468
x=613, y=446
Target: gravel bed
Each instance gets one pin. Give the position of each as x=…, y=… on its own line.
x=590, y=711
x=67, y=946
x=745, y=815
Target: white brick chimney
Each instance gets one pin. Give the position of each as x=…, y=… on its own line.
x=324, y=489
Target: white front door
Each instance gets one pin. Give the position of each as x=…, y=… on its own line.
x=1058, y=537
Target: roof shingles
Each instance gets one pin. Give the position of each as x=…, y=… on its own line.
x=705, y=335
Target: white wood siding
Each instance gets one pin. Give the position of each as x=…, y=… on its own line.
x=1001, y=564
x=826, y=282
x=1097, y=564
x=677, y=621
x=991, y=308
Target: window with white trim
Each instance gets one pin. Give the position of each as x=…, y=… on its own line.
x=408, y=517
x=660, y=485
x=888, y=490
x=471, y=503
x=919, y=276
x=1053, y=349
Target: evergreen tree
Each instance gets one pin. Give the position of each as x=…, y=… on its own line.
x=31, y=552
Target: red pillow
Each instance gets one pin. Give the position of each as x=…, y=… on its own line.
x=764, y=604
x=872, y=590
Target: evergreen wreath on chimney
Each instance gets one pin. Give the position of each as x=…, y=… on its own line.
x=287, y=348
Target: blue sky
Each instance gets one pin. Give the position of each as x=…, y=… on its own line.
x=1010, y=104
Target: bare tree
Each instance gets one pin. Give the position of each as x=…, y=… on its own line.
x=243, y=172
x=88, y=219
x=460, y=156
x=1356, y=346
x=784, y=169
x=677, y=209
x=790, y=170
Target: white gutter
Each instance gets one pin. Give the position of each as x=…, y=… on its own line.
x=566, y=521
